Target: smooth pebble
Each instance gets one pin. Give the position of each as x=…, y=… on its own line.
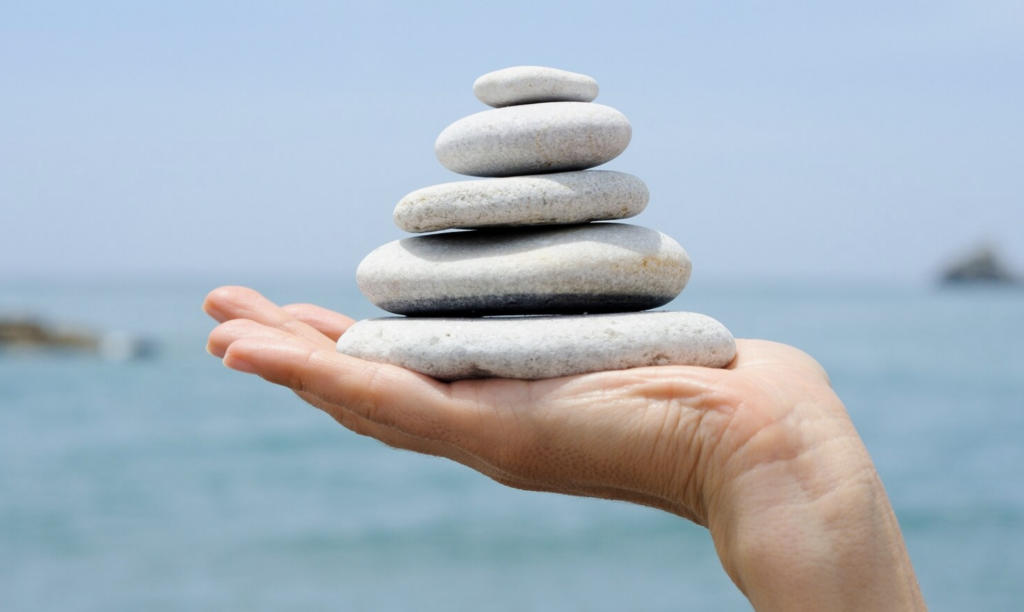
x=532, y=84
x=545, y=199
x=540, y=347
x=598, y=267
x=533, y=139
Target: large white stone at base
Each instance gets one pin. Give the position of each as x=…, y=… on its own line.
x=540, y=347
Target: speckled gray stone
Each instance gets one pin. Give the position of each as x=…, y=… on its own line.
x=598, y=267
x=531, y=84
x=533, y=139
x=543, y=199
x=540, y=347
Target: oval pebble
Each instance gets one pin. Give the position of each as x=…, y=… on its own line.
x=540, y=347
x=534, y=139
x=532, y=84
x=545, y=199
x=598, y=267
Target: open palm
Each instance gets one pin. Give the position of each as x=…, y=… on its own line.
x=762, y=452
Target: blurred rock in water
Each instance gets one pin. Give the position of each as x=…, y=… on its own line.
x=30, y=334
x=981, y=267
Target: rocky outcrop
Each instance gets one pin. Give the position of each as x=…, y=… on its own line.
x=982, y=267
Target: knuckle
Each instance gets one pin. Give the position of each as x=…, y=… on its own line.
x=297, y=376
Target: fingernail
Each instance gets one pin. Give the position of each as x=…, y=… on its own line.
x=239, y=365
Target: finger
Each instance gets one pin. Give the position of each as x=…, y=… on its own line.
x=388, y=395
x=327, y=322
x=229, y=303
x=228, y=332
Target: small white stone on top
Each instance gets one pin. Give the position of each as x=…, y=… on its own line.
x=531, y=84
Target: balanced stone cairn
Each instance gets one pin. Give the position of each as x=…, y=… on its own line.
x=532, y=250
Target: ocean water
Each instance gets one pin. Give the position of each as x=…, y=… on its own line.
x=175, y=484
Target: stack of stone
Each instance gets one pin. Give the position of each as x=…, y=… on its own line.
x=532, y=250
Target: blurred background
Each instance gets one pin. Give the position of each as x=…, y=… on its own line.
x=826, y=167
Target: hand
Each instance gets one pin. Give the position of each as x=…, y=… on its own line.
x=762, y=453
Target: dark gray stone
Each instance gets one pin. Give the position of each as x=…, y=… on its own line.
x=597, y=267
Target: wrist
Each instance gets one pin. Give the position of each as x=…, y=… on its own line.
x=813, y=529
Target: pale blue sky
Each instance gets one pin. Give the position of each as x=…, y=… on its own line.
x=782, y=140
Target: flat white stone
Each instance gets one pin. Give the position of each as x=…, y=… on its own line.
x=532, y=84
x=534, y=139
x=597, y=267
x=543, y=199
x=540, y=347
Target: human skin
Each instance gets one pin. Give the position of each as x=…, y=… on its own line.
x=762, y=453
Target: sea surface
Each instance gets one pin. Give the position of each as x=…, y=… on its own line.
x=173, y=483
